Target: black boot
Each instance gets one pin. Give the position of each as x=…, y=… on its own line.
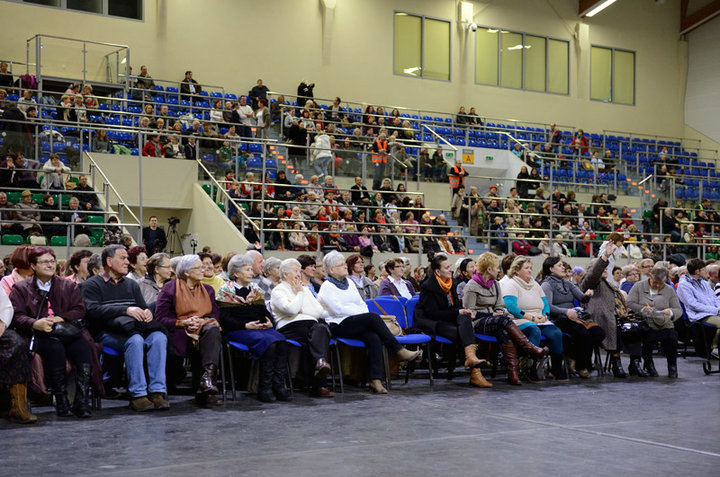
x=57, y=381
x=535, y=371
x=557, y=368
x=279, y=374
x=81, y=408
x=650, y=367
x=265, y=378
x=635, y=368
x=672, y=370
x=617, y=368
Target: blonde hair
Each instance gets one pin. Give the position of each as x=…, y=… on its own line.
x=487, y=260
x=517, y=264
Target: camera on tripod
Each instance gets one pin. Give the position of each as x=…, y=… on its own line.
x=173, y=221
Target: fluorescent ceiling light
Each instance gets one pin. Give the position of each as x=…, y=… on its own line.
x=602, y=6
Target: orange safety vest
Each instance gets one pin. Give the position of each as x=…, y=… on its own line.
x=381, y=155
x=458, y=180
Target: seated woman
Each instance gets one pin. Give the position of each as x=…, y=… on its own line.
x=209, y=276
x=605, y=304
x=43, y=302
x=159, y=271
x=245, y=319
x=297, y=312
x=483, y=295
x=14, y=365
x=187, y=308
x=78, y=266
x=20, y=261
x=584, y=333
x=356, y=270
x=464, y=271
x=394, y=284
x=524, y=298
x=349, y=318
x=656, y=302
x=137, y=256
x=439, y=311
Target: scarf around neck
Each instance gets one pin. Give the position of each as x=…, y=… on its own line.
x=481, y=281
x=195, y=302
x=523, y=284
x=445, y=286
x=341, y=284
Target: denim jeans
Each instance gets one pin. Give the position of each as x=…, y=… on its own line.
x=135, y=348
x=321, y=165
x=378, y=174
x=553, y=334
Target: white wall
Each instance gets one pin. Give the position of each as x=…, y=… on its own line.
x=234, y=42
x=702, y=101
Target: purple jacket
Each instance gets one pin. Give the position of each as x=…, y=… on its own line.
x=388, y=288
x=351, y=240
x=165, y=314
x=697, y=296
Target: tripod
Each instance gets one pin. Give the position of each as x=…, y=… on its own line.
x=174, y=241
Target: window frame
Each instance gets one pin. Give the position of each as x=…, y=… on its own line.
x=522, y=69
x=422, y=46
x=104, y=13
x=612, y=75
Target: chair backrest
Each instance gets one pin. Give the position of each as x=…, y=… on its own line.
x=410, y=309
x=388, y=305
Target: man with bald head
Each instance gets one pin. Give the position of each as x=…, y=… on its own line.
x=713, y=278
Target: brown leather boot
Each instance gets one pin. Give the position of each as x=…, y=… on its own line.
x=521, y=340
x=477, y=379
x=471, y=358
x=207, y=380
x=19, y=411
x=512, y=363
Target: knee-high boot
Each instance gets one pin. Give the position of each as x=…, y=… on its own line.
x=265, y=378
x=521, y=340
x=511, y=358
x=81, y=407
x=57, y=381
x=19, y=411
x=279, y=373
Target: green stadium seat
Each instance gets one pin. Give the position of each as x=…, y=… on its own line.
x=12, y=239
x=221, y=205
x=13, y=197
x=96, y=219
x=97, y=234
x=207, y=188
x=58, y=241
x=38, y=198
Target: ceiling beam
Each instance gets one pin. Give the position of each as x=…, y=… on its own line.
x=585, y=5
x=690, y=22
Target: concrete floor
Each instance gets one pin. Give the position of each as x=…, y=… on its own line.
x=597, y=427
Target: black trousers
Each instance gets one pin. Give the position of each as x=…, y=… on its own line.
x=210, y=342
x=311, y=334
x=668, y=339
x=493, y=325
x=463, y=330
x=582, y=340
x=371, y=329
x=54, y=352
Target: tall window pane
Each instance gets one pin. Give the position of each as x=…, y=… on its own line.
x=408, y=53
x=437, y=49
x=601, y=73
x=486, y=56
x=624, y=77
x=534, y=63
x=558, y=66
x=126, y=8
x=511, y=60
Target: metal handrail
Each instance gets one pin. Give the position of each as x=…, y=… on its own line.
x=121, y=201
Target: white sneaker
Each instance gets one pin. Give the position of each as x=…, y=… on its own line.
x=714, y=353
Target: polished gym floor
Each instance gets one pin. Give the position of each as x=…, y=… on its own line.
x=597, y=427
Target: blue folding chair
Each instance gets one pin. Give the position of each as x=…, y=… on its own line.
x=392, y=305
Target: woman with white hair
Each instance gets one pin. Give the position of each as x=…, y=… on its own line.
x=349, y=317
x=187, y=308
x=298, y=316
x=271, y=274
x=246, y=319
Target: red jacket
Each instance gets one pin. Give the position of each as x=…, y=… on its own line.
x=151, y=149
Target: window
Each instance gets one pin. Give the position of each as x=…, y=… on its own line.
x=612, y=75
x=521, y=61
x=421, y=47
x=132, y=9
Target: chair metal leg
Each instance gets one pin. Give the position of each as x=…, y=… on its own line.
x=222, y=374
x=386, y=365
x=339, y=368
x=290, y=381
x=232, y=372
x=598, y=361
x=430, y=364
x=493, y=373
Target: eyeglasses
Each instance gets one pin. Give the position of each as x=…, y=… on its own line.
x=47, y=262
x=201, y=267
x=163, y=266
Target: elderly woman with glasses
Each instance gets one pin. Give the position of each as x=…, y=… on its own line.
x=632, y=276
x=394, y=284
x=300, y=317
x=187, y=308
x=46, y=305
x=658, y=304
x=349, y=317
x=246, y=319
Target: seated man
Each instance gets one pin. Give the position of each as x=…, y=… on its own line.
x=86, y=194
x=118, y=314
x=701, y=303
x=190, y=87
x=27, y=211
x=25, y=172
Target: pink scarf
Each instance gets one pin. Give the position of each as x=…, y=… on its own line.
x=481, y=281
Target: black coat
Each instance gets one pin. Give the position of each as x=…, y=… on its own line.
x=434, y=306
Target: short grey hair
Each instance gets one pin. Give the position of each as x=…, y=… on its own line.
x=184, y=265
x=627, y=269
x=238, y=262
x=174, y=263
x=659, y=274
x=332, y=259
x=95, y=262
x=271, y=263
x=287, y=265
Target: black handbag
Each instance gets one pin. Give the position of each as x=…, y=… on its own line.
x=65, y=331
